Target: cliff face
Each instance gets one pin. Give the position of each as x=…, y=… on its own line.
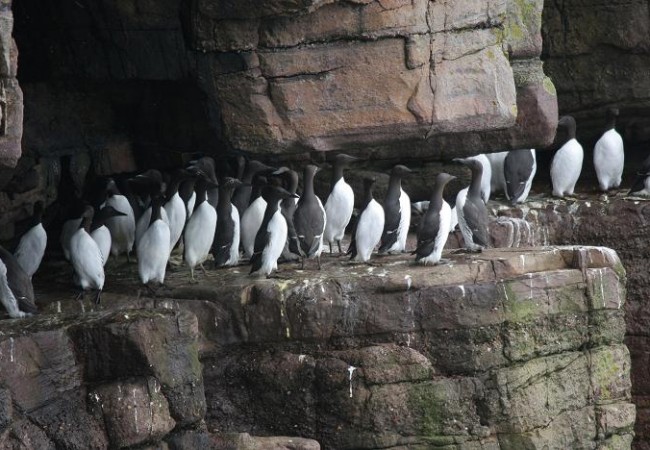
x=508, y=349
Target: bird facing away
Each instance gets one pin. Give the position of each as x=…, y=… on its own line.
x=86, y=257
x=609, y=155
x=200, y=228
x=519, y=170
x=122, y=228
x=567, y=161
x=20, y=285
x=272, y=235
x=100, y=232
x=309, y=219
x=397, y=211
x=641, y=186
x=434, y=228
x=154, y=246
x=31, y=247
x=471, y=210
x=339, y=204
x=369, y=227
x=225, y=247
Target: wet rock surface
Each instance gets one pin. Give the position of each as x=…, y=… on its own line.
x=505, y=349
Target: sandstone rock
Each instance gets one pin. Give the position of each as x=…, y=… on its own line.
x=134, y=411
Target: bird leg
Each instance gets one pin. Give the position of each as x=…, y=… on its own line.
x=205, y=272
x=80, y=295
x=192, y=279
x=98, y=297
x=331, y=248
x=318, y=260
x=302, y=263
x=128, y=257
x=339, y=245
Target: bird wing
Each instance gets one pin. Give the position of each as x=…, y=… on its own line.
x=476, y=218
x=427, y=234
x=391, y=224
x=261, y=239
x=19, y=283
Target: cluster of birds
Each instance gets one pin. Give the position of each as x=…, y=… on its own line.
x=210, y=216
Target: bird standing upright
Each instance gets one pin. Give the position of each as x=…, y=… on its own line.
x=153, y=247
x=31, y=247
x=100, y=232
x=339, y=204
x=471, y=210
x=434, y=228
x=200, y=228
x=397, y=211
x=309, y=219
x=175, y=208
x=609, y=155
x=567, y=161
x=242, y=195
x=19, y=283
x=86, y=257
x=122, y=228
x=370, y=225
x=272, y=234
x=225, y=247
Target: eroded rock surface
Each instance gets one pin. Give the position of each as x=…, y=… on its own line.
x=507, y=349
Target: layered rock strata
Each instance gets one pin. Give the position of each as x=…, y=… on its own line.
x=508, y=349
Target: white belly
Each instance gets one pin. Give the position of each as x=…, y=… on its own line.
x=250, y=224
x=199, y=234
x=369, y=230
x=122, y=228
x=153, y=252
x=277, y=229
x=87, y=261
x=143, y=222
x=233, y=260
x=441, y=237
x=338, y=210
x=566, y=168
x=609, y=158
x=31, y=249
x=176, y=214
x=102, y=236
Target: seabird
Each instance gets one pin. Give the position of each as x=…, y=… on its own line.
x=434, y=228
x=340, y=202
x=151, y=182
x=369, y=227
x=486, y=178
x=70, y=226
x=206, y=166
x=154, y=246
x=175, y=208
x=519, y=170
x=272, y=235
x=86, y=257
x=251, y=220
x=609, y=155
x=397, y=210
x=242, y=195
x=121, y=227
x=99, y=230
x=497, y=178
x=200, y=228
x=288, y=205
x=225, y=247
x=309, y=219
x=471, y=210
x=20, y=286
x=567, y=161
x=641, y=186
x=31, y=247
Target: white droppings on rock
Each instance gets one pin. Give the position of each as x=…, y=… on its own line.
x=301, y=358
x=11, y=349
x=462, y=290
x=58, y=307
x=351, y=370
x=408, y=280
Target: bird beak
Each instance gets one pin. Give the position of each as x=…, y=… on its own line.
x=280, y=171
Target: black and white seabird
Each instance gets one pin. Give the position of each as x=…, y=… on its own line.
x=242, y=195
x=567, y=161
x=519, y=170
x=288, y=205
x=71, y=225
x=154, y=246
x=340, y=202
x=86, y=257
x=272, y=235
x=471, y=210
x=121, y=227
x=309, y=219
x=225, y=247
x=497, y=178
x=609, y=155
x=206, y=166
x=641, y=186
x=18, y=287
x=434, y=228
x=175, y=207
x=200, y=228
x=151, y=182
x=186, y=191
x=397, y=210
x=31, y=247
x=100, y=232
x=251, y=219
x=486, y=178
x=369, y=227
